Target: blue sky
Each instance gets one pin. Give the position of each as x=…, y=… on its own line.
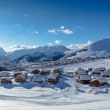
x=32, y=23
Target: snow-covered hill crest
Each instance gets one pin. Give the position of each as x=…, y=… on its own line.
x=99, y=48
x=100, y=45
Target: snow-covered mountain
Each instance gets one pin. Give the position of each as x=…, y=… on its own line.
x=2, y=52
x=100, y=45
x=43, y=49
x=99, y=48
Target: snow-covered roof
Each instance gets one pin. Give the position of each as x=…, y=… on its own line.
x=35, y=69
x=101, y=68
x=51, y=77
x=79, y=69
x=22, y=76
x=24, y=72
x=81, y=72
x=45, y=70
x=101, y=80
x=85, y=77
x=30, y=74
x=4, y=73
x=96, y=70
x=14, y=72
x=7, y=78
x=59, y=68
x=105, y=73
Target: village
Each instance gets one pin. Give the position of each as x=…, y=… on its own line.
x=25, y=71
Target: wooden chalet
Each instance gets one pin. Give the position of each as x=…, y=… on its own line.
x=44, y=71
x=5, y=80
x=98, y=82
x=52, y=78
x=58, y=70
x=16, y=74
x=101, y=69
x=35, y=71
x=4, y=73
x=84, y=79
x=21, y=78
x=96, y=71
x=80, y=72
x=104, y=74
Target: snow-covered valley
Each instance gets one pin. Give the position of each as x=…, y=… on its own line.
x=80, y=80
x=67, y=94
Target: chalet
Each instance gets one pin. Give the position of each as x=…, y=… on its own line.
x=58, y=70
x=21, y=78
x=4, y=73
x=44, y=71
x=52, y=78
x=80, y=72
x=15, y=74
x=98, y=82
x=101, y=69
x=96, y=71
x=90, y=69
x=5, y=80
x=104, y=74
x=35, y=71
x=84, y=79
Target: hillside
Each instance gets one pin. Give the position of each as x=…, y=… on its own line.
x=2, y=54
x=99, y=48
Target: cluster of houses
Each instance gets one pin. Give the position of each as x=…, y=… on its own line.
x=71, y=61
x=35, y=75
x=94, y=77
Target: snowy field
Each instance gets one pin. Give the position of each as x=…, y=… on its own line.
x=67, y=94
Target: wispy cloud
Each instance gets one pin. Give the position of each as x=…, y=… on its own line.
x=28, y=29
x=79, y=27
x=78, y=46
x=61, y=30
x=25, y=15
x=36, y=32
x=66, y=31
x=19, y=46
x=52, y=31
x=62, y=27
x=57, y=41
x=22, y=36
x=17, y=24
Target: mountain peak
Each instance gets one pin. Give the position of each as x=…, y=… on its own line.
x=42, y=49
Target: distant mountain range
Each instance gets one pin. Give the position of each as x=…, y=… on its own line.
x=98, y=48
x=39, y=54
